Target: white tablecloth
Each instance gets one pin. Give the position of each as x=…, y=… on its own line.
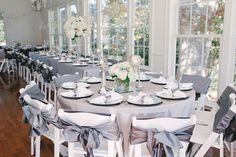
x=124, y=111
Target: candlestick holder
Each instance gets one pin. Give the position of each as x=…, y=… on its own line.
x=103, y=72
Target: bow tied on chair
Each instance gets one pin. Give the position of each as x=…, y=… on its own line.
x=91, y=137
x=162, y=143
x=39, y=120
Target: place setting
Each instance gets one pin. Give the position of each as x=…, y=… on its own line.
x=160, y=80
x=65, y=60
x=91, y=80
x=144, y=99
x=80, y=64
x=107, y=98
x=77, y=93
x=73, y=85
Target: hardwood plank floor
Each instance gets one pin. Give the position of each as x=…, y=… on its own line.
x=14, y=139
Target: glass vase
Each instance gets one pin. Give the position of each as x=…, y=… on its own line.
x=122, y=85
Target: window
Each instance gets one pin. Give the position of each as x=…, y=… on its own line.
x=73, y=11
x=2, y=31
x=53, y=23
x=141, y=29
x=200, y=30
x=62, y=36
x=114, y=28
x=93, y=17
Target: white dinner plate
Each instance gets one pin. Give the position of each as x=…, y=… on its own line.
x=72, y=85
x=79, y=64
x=156, y=100
x=91, y=62
x=65, y=61
x=165, y=95
x=109, y=78
x=84, y=59
x=115, y=102
x=93, y=80
x=182, y=88
x=158, y=81
x=72, y=95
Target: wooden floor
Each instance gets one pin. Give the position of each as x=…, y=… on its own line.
x=14, y=139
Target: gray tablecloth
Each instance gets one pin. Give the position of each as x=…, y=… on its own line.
x=66, y=68
x=173, y=108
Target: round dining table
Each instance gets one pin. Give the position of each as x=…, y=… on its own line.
x=125, y=111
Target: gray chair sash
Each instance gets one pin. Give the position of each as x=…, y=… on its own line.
x=39, y=120
x=163, y=143
x=90, y=137
x=200, y=84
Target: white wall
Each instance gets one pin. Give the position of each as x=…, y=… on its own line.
x=21, y=22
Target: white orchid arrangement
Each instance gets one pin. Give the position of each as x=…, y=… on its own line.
x=123, y=71
x=77, y=27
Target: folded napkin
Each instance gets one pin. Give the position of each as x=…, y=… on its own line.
x=172, y=85
x=107, y=97
x=80, y=92
x=82, y=85
x=141, y=98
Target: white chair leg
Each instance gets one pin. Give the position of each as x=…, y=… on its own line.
x=71, y=152
x=32, y=145
x=221, y=145
x=131, y=150
x=182, y=152
x=56, y=142
x=1, y=67
x=111, y=149
x=138, y=150
x=119, y=147
x=208, y=143
x=37, y=143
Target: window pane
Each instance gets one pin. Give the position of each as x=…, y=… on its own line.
x=198, y=18
x=73, y=10
x=2, y=30
x=216, y=17
x=62, y=36
x=184, y=19
x=114, y=24
x=93, y=17
x=141, y=29
x=211, y=63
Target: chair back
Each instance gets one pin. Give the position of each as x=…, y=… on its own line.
x=164, y=123
x=85, y=119
x=200, y=84
x=31, y=84
x=37, y=104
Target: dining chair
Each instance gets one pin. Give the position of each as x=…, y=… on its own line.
x=200, y=85
x=48, y=125
x=57, y=82
x=158, y=134
x=88, y=131
x=211, y=132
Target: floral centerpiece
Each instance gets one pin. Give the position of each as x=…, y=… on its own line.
x=123, y=73
x=77, y=27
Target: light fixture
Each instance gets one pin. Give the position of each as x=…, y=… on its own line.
x=38, y=4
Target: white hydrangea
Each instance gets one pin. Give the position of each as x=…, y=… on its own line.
x=76, y=27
